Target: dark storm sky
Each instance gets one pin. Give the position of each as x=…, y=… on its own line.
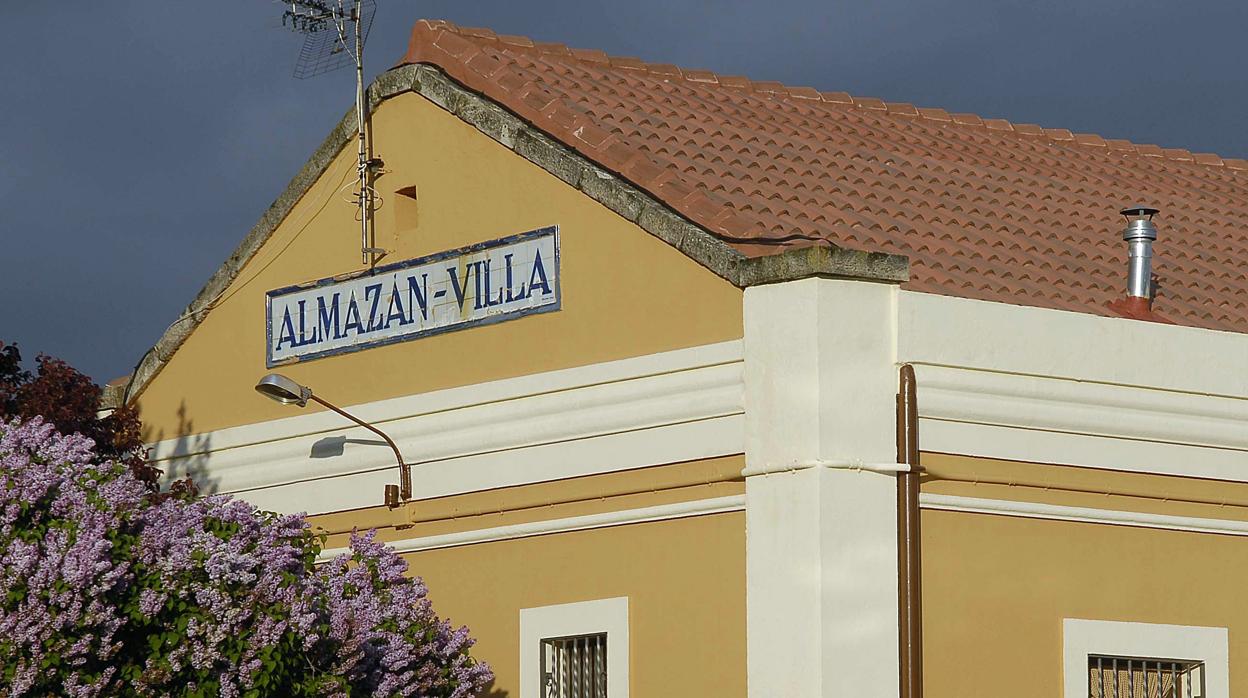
x=140, y=140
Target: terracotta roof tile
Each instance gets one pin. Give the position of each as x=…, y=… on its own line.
x=734, y=81
x=934, y=114
x=487, y=66
x=984, y=209
x=1090, y=139
x=804, y=93
x=627, y=62
x=552, y=48
x=870, y=103
x=701, y=76
x=514, y=40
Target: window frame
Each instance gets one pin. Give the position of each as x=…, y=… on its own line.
x=1081, y=638
x=608, y=616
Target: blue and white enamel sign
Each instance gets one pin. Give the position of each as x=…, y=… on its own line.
x=490, y=282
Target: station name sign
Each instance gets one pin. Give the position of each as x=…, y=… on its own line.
x=490, y=282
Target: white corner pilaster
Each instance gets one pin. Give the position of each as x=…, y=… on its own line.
x=821, y=524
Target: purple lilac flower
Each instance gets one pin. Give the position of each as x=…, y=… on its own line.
x=107, y=591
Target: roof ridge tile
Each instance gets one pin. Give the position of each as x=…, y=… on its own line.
x=805, y=93
x=626, y=62
x=664, y=69
x=701, y=76
x=902, y=108
x=552, y=48
x=739, y=81
x=515, y=40
x=934, y=114
x=591, y=55
x=477, y=32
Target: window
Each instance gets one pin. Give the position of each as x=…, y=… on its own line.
x=575, y=667
x=575, y=650
x=1111, y=659
x=1140, y=677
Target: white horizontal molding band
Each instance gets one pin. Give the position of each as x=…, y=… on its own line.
x=382, y=411
x=1081, y=407
x=662, y=512
x=708, y=438
x=1050, y=386
x=527, y=429
x=1034, y=510
x=959, y=332
x=1039, y=446
x=580, y=413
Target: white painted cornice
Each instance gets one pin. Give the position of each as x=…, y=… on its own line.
x=1049, y=386
x=1082, y=407
x=958, y=332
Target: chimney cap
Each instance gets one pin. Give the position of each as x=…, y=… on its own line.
x=1139, y=210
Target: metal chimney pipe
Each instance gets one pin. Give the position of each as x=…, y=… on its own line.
x=1140, y=234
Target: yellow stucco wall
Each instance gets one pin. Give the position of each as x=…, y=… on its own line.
x=996, y=588
x=625, y=293
x=684, y=579
x=541, y=501
x=1063, y=485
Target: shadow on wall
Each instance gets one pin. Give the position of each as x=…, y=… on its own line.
x=190, y=454
x=334, y=446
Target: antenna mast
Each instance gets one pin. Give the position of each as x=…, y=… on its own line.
x=328, y=27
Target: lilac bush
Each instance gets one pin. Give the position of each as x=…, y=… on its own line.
x=108, y=591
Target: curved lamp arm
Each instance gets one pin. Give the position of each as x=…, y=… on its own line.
x=277, y=387
x=405, y=472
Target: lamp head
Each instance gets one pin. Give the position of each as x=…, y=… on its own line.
x=283, y=390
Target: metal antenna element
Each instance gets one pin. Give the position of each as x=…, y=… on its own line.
x=335, y=32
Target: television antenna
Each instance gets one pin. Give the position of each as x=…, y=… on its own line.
x=334, y=35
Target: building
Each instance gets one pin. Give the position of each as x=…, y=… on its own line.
x=651, y=391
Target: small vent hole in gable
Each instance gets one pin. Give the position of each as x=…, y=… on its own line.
x=405, y=212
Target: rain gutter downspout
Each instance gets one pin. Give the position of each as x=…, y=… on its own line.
x=909, y=560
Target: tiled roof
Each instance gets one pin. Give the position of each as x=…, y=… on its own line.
x=984, y=208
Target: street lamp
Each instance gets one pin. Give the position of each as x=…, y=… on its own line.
x=288, y=392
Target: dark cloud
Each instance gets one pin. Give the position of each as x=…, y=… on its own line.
x=140, y=140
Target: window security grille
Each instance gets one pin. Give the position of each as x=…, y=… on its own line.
x=575, y=667
x=1137, y=677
